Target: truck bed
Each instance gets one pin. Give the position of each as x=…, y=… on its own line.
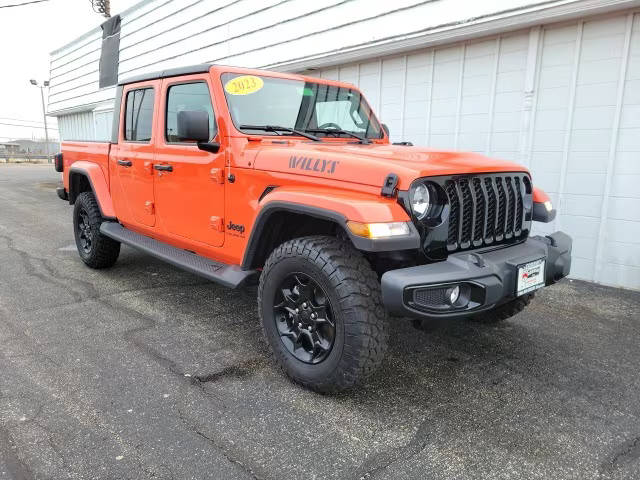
x=95, y=152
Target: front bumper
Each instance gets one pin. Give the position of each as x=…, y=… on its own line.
x=487, y=278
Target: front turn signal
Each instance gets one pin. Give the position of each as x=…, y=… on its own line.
x=379, y=230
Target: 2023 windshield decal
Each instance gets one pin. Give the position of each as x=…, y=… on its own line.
x=313, y=164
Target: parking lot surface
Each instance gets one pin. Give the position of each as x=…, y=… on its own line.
x=144, y=371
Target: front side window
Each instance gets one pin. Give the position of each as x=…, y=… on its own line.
x=187, y=96
x=138, y=115
x=307, y=106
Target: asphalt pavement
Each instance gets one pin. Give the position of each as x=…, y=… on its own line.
x=144, y=371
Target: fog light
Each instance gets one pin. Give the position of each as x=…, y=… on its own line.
x=452, y=294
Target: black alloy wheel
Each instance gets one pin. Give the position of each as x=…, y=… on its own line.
x=95, y=249
x=85, y=233
x=304, y=318
x=321, y=312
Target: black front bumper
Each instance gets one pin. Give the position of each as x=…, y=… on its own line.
x=486, y=278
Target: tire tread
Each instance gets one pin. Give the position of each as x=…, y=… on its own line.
x=105, y=252
x=358, y=289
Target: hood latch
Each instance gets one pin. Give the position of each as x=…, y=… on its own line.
x=389, y=185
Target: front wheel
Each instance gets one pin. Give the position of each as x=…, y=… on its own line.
x=321, y=312
x=94, y=248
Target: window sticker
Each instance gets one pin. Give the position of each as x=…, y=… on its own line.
x=305, y=91
x=244, y=85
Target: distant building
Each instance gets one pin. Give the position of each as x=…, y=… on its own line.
x=25, y=149
x=37, y=147
x=551, y=84
x=9, y=149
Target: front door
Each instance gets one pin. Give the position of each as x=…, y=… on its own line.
x=133, y=158
x=189, y=187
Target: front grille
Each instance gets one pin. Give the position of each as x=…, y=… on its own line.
x=486, y=209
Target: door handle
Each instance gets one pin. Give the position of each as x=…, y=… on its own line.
x=163, y=168
x=125, y=163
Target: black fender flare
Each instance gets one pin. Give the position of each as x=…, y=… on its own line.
x=409, y=242
x=72, y=194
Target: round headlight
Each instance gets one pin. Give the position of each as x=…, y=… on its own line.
x=420, y=201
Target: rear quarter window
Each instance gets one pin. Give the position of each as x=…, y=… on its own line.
x=138, y=115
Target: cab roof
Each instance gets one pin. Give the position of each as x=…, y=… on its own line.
x=171, y=72
x=206, y=67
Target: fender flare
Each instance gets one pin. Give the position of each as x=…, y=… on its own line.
x=540, y=212
x=289, y=201
x=93, y=173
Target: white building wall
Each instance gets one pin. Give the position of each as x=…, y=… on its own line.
x=283, y=34
x=583, y=143
x=560, y=98
x=76, y=126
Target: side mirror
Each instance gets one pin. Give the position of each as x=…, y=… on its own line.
x=193, y=125
x=385, y=128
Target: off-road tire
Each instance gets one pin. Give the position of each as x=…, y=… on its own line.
x=104, y=251
x=504, y=311
x=353, y=290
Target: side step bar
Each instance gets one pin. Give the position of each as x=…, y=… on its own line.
x=227, y=275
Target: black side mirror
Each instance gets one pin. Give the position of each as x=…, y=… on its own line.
x=193, y=125
x=385, y=128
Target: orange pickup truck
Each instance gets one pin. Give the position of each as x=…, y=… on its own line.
x=245, y=176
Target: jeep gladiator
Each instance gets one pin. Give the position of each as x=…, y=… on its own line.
x=248, y=176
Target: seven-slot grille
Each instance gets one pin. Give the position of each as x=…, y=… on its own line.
x=486, y=209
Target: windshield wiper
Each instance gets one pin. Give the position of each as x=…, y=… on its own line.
x=339, y=131
x=277, y=128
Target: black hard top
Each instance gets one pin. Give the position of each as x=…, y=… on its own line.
x=171, y=72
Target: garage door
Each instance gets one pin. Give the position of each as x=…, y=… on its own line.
x=562, y=99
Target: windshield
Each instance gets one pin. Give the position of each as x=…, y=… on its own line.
x=295, y=104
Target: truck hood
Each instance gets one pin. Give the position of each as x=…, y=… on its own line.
x=370, y=164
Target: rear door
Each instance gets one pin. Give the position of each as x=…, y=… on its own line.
x=190, y=190
x=133, y=159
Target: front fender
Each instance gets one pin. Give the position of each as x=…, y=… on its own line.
x=337, y=207
x=356, y=206
x=540, y=212
x=93, y=173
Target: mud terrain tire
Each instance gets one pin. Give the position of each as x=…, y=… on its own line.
x=351, y=290
x=95, y=249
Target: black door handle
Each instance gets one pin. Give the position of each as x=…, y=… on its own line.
x=163, y=168
x=125, y=163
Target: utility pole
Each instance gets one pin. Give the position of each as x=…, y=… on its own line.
x=44, y=114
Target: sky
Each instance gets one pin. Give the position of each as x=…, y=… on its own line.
x=27, y=34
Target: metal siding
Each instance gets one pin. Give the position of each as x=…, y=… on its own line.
x=581, y=142
x=562, y=99
x=164, y=34
x=76, y=126
x=102, y=125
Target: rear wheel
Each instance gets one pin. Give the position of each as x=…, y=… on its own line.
x=320, y=307
x=95, y=249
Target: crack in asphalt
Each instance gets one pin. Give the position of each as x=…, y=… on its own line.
x=629, y=451
x=17, y=469
x=241, y=370
x=383, y=460
x=31, y=270
x=88, y=292
x=225, y=451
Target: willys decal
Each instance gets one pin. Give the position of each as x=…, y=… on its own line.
x=313, y=164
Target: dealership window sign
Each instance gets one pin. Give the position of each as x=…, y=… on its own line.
x=110, y=52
